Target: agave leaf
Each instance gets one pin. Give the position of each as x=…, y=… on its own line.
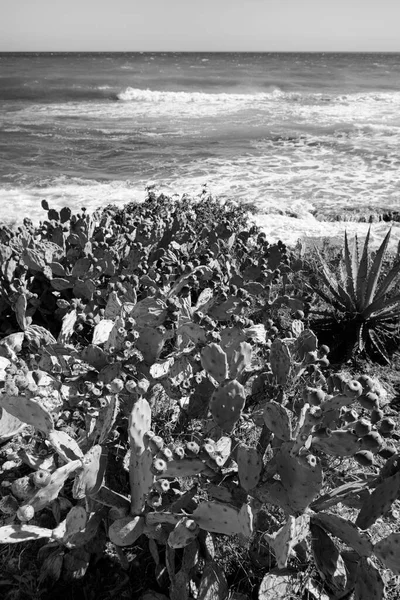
x=363, y=272
x=388, y=281
x=329, y=278
x=360, y=336
x=378, y=345
x=375, y=271
x=329, y=300
x=351, y=262
x=381, y=308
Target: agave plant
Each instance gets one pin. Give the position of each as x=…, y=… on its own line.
x=366, y=307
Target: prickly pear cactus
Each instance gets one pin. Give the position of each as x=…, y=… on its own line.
x=280, y=360
x=287, y=537
x=185, y=531
x=379, y=502
x=388, y=551
x=218, y=518
x=249, y=466
x=278, y=420
x=227, y=403
x=215, y=362
x=301, y=477
x=140, y=476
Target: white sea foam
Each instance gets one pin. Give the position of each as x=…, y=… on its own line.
x=280, y=216
x=267, y=107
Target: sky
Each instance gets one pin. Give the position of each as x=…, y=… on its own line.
x=200, y=25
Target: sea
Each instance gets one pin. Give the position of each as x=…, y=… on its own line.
x=311, y=141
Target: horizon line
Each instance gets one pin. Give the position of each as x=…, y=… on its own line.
x=199, y=51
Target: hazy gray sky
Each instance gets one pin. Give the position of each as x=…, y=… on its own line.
x=208, y=25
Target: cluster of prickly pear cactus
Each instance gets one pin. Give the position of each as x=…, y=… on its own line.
x=179, y=394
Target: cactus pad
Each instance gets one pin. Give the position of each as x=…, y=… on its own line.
x=300, y=480
x=369, y=583
x=125, y=532
x=227, y=403
x=89, y=480
x=346, y=531
x=340, y=442
x=327, y=559
x=241, y=360
x=288, y=536
x=14, y=534
x=280, y=360
x=215, y=362
x=249, y=466
x=185, y=531
x=388, y=551
x=217, y=518
x=379, y=502
x=28, y=410
x=277, y=419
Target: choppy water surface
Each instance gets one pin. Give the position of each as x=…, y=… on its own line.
x=312, y=139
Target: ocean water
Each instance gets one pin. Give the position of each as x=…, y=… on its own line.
x=312, y=140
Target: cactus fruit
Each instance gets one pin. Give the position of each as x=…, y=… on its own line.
x=41, y=478
x=185, y=531
x=227, y=403
x=162, y=486
x=280, y=361
x=192, y=448
x=125, y=531
x=376, y=415
x=387, y=426
x=369, y=401
x=249, y=466
x=372, y=441
x=362, y=427
x=346, y=531
x=314, y=396
x=367, y=383
x=159, y=466
x=22, y=488
x=155, y=443
x=365, y=458
x=388, y=551
x=379, y=502
x=45, y=495
x=277, y=419
x=215, y=362
x=25, y=513
x=353, y=389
